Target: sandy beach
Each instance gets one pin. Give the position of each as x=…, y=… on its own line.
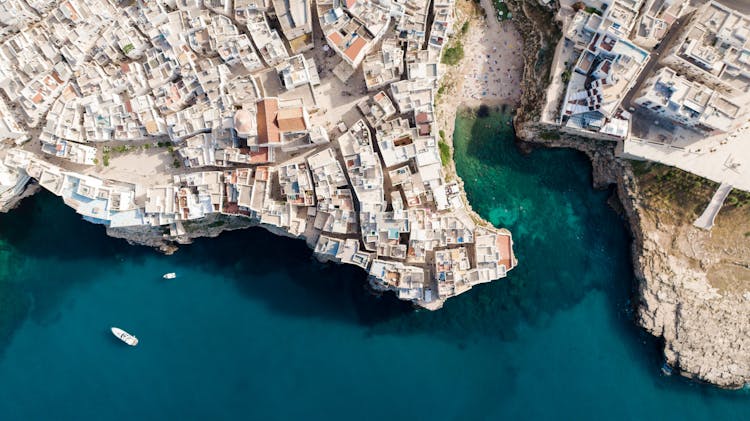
x=492, y=67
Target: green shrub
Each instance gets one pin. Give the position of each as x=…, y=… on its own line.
x=453, y=55
x=445, y=152
x=565, y=76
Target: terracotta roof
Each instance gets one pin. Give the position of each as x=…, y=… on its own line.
x=422, y=117
x=504, y=249
x=260, y=156
x=268, y=131
x=335, y=38
x=291, y=119
x=350, y=3
x=355, y=47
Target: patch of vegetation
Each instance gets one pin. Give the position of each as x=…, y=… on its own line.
x=440, y=92
x=445, y=152
x=96, y=161
x=146, y=146
x=747, y=234
x=176, y=163
x=738, y=199
x=128, y=48
x=465, y=28
x=162, y=144
x=549, y=135
x=672, y=190
x=453, y=55
x=105, y=159
x=216, y=223
x=441, y=133
x=593, y=10
x=501, y=7
x=565, y=76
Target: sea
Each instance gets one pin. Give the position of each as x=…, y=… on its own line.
x=254, y=328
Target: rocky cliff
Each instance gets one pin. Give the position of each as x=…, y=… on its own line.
x=681, y=294
x=704, y=327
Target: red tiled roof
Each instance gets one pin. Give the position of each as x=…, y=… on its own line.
x=268, y=131
x=260, y=156
x=422, y=117
x=335, y=38
x=505, y=250
x=355, y=47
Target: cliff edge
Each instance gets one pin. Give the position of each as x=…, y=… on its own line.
x=692, y=286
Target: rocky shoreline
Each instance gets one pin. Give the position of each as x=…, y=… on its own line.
x=702, y=329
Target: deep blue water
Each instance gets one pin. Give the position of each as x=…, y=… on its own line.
x=253, y=328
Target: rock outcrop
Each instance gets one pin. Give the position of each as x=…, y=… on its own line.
x=704, y=329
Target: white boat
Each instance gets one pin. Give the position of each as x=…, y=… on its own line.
x=125, y=336
x=170, y=275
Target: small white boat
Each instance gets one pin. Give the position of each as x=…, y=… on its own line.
x=124, y=336
x=170, y=275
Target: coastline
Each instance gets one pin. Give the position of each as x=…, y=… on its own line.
x=462, y=84
x=537, y=37
x=701, y=328
x=327, y=231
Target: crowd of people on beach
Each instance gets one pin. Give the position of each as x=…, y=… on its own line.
x=494, y=64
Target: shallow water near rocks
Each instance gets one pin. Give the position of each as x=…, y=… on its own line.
x=253, y=328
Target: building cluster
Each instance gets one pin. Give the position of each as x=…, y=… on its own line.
x=607, y=68
x=699, y=78
x=705, y=81
x=198, y=76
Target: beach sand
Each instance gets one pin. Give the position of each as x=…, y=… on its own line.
x=492, y=67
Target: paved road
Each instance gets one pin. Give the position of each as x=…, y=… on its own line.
x=665, y=43
x=706, y=220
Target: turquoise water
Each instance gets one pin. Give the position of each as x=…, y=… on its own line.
x=253, y=328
